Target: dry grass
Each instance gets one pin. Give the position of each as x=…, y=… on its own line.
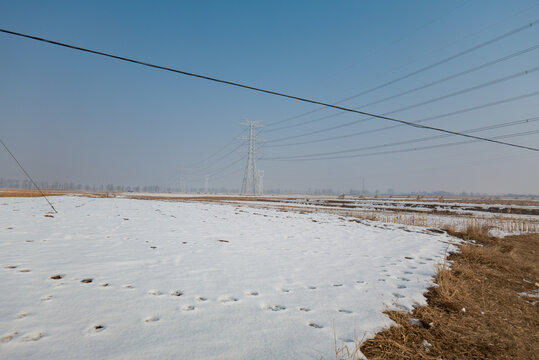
x=505, y=223
x=475, y=311
x=29, y=193
x=36, y=193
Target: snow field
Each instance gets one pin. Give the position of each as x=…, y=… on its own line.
x=135, y=279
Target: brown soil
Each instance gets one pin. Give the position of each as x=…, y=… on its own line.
x=481, y=308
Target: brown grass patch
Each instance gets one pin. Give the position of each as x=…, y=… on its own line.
x=478, y=310
x=36, y=193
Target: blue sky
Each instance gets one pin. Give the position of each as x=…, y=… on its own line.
x=77, y=117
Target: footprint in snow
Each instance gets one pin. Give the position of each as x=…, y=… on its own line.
x=304, y=309
x=57, y=277
x=344, y=311
x=402, y=307
x=315, y=325
x=401, y=286
x=46, y=298
x=201, y=298
x=337, y=285
x=154, y=292
x=398, y=296
x=403, y=279
x=360, y=281
x=7, y=338
x=251, y=293
x=283, y=290
x=34, y=336
x=227, y=299
x=87, y=280
x=24, y=270
x=407, y=272
x=311, y=287
x=274, y=307
x=176, y=293
x=127, y=286
x=96, y=328
x=104, y=284
x=22, y=315
x=150, y=319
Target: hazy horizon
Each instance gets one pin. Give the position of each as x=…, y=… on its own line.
x=81, y=118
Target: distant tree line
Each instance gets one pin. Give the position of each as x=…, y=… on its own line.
x=26, y=184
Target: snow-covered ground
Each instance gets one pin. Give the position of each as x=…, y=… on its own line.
x=137, y=279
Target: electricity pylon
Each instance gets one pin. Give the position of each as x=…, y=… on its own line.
x=250, y=177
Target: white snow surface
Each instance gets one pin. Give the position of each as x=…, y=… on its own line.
x=277, y=288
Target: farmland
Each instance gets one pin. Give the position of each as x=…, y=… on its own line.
x=138, y=276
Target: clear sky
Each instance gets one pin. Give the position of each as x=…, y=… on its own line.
x=76, y=117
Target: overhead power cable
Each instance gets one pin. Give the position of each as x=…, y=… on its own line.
x=418, y=71
x=411, y=141
x=28, y=175
x=452, y=113
x=532, y=132
x=417, y=88
x=233, y=171
x=201, y=162
x=226, y=167
x=408, y=107
x=218, y=159
x=276, y=93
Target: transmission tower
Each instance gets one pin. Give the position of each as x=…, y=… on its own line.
x=250, y=177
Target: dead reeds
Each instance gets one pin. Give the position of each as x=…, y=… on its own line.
x=482, y=306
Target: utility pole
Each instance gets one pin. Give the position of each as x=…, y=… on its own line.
x=260, y=182
x=363, y=187
x=182, y=185
x=250, y=177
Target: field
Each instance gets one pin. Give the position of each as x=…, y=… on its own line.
x=136, y=276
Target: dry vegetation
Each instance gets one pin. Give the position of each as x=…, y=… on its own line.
x=28, y=193
x=505, y=223
x=482, y=306
x=36, y=193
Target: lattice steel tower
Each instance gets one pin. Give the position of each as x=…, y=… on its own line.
x=250, y=177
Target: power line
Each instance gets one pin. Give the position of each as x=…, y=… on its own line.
x=418, y=71
x=220, y=149
x=452, y=113
x=227, y=166
x=417, y=88
x=203, y=168
x=404, y=142
x=28, y=175
x=532, y=132
x=292, y=96
x=234, y=171
x=408, y=107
